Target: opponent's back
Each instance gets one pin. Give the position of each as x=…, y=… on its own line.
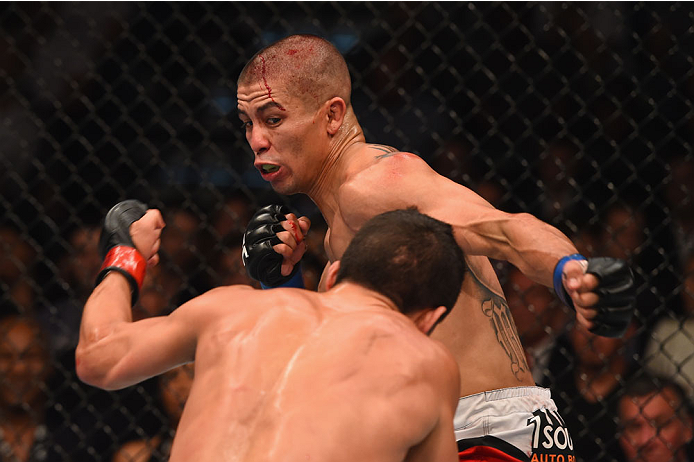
x=306, y=376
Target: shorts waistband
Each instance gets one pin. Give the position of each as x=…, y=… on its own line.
x=503, y=401
x=511, y=392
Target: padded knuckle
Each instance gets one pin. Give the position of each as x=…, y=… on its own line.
x=116, y=228
x=264, y=248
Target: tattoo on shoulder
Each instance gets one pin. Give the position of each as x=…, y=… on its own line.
x=495, y=307
x=389, y=150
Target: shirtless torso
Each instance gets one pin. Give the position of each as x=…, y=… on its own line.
x=481, y=326
x=285, y=374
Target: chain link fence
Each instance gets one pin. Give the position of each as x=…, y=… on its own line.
x=579, y=113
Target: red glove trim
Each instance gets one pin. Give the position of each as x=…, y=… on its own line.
x=129, y=259
x=130, y=263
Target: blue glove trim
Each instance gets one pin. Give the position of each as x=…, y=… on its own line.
x=297, y=281
x=558, y=282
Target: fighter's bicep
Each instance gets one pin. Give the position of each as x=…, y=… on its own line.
x=475, y=221
x=158, y=344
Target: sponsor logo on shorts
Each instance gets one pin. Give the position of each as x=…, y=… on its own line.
x=551, y=439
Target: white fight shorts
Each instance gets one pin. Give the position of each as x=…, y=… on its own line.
x=512, y=424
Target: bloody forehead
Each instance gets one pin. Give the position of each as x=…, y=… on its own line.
x=286, y=65
x=282, y=59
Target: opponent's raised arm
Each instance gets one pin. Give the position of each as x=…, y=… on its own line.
x=113, y=352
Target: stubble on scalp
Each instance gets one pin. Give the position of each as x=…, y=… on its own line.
x=310, y=67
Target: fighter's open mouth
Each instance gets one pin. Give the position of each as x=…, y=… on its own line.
x=267, y=168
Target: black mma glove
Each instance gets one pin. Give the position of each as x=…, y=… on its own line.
x=261, y=261
x=116, y=246
x=616, y=290
x=617, y=293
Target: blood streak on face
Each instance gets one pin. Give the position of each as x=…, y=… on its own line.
x=269, y=90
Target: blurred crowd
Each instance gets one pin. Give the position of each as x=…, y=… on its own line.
x=578, y=113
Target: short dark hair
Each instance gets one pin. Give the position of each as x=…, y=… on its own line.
x=646, y=384
x=407, y=256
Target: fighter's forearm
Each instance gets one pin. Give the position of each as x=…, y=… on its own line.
x=538, y=247
x=106, y=309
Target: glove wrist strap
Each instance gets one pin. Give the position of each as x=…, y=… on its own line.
x=559, y=279
x=296, y=281
x=128, y=262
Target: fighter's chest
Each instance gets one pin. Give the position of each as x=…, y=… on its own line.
x=356, y=204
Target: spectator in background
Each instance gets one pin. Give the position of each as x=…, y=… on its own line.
x=622, y=233
x=669, y=350
x=183, y=261
x=221, y=237
x=17, y=293
x=539, y=319
x=160, y=292
x=587, y=373
x=679, y=195
x=456, y=161
x=558, y=171
x=174, y=387
x=231, y=218
x=24, y=368
x=77, y=268
x=228, y=265
x=179, y=244
x=655, y=420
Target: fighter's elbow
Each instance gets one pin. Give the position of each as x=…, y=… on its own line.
x=92, y=368
x=84, y=368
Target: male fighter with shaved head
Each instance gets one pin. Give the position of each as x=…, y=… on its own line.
x=294, y=102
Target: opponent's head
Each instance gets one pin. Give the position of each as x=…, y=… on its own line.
x=292, y=98
x=409, y=257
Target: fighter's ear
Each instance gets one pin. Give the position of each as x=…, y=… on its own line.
x=336, y=114
x=331, y=274
x=425, y=320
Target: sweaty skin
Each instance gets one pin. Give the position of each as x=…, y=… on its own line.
x=322, y=152
x=257, y=396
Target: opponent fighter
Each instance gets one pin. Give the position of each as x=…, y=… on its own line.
x=294, y=103
x=289, y=374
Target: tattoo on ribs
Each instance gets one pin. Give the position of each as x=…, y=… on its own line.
x=495, y=307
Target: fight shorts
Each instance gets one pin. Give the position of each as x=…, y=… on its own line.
x=512, y=424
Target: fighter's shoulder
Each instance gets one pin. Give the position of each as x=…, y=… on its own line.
x=418, y=357
x=234, y=298
x=374, y=172
x=379, y=157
